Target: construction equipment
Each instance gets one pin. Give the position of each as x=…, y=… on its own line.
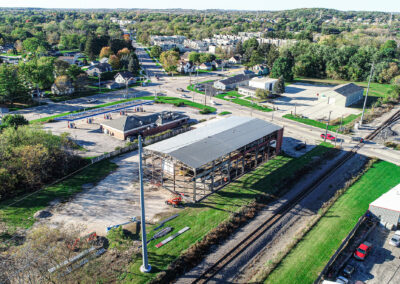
x=89, y=238
x=175, y=201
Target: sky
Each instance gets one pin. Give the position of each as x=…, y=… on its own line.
x=357, y=5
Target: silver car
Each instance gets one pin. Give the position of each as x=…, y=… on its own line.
x=395, y=240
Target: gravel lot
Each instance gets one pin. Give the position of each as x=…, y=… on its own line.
x=113, y=201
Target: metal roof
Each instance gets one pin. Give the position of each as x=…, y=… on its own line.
x=345, y=89
x=389, y=200
x=215, y=139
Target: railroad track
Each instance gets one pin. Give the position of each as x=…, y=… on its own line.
x=259, y=231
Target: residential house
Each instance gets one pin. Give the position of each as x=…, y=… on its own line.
x=64, y=89
x=235, y=59
x=186, y=67
x=206, y=66
x=260, y=70
x=124, y=78
x=232, y=82
x=219, y=63
x=104, y=60
x=130, y=126
x=113, y=85
x=98, y=69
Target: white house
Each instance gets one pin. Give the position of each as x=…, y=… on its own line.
x=205, y=66
x=235, y=60
x=264, y=83
x=124, y=78
x=186, y=67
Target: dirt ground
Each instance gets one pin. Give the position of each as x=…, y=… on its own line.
x=114, y=200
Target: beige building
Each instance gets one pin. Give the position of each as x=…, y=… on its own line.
x=343, y=95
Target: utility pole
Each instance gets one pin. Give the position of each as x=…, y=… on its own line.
x=145, y=268
x=366, y=95
x=327, y=126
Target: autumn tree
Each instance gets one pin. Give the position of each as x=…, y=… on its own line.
x=169, y=59
x=105, y=52
x=114, y=62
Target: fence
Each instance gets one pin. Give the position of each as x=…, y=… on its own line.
x=147, y=141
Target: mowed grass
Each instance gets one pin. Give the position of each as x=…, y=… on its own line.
x=21, y=213
x=308, y=258
x=167, y=100
x=243, y=102
x=319, y=124
x=208, y=214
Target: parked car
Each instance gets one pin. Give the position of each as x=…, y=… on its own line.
x=358, y=139
x=362, y=251
x=91, y=101
x=342, y=279
x=180, y=90
x=328, y=137
x=348, y=271
x=300, y=146
x=395, y=240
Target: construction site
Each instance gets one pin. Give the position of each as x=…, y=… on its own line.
x=198, y=162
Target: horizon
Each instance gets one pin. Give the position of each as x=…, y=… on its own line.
x=387, y=6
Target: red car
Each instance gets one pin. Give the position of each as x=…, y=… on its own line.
x=362, y=251
x=328, y=137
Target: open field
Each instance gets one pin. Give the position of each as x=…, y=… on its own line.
x=319, y=124
x=20, y=213
x=307, y=259
x=242, y=102
x=206, y=215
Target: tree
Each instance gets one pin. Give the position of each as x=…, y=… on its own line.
x=273, y=54
x=206, y=57
x=194, y=57
x=90, y=47
x=117, y=44
x=63, y=83
x=12, y=87
x=105, y=52
x=262, y=94
x=251, y=43
x=283, y=66
x=279, y=86
x=114, y=62
x=81, y=82
x=123, y=52
x=239, y=48
x=14, y=120
x=156, y=51
x=133, y=65
x=169, y=60
x=38, y=72
x=74, y=71
x=60, y=67
x=33, y=45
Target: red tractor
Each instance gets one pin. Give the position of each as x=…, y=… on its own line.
x=175, y=201
x=74, y=245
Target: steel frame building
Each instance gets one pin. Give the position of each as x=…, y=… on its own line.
x=200, y=161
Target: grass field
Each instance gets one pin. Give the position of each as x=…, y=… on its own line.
x=206, y=215
x=307, y=259
x=243, y=102
x=21, y=213
x=224, y=113
x=166, y=100
x=312, y=122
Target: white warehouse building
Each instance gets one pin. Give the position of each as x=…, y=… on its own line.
x=387, y=207
x=264, y=83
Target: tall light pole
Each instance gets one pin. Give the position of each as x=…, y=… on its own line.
x=366, y=95
x=327, y=126
x=145, y=268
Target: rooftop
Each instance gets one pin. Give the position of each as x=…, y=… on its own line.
x=389, y=200
x=127, y=123
x=214, y=140
x=346, y=89
x=235, y=79
x=263, y=80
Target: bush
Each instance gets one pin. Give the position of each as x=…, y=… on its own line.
x=205, y=111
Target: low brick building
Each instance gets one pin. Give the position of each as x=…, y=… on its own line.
x=131, y=126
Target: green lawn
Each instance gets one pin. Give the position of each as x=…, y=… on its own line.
x=308, y=258
x=312, y=122
x=21, y=214
x=242, y=102
x=206, y=215
x=224, y=113
x=167, y=100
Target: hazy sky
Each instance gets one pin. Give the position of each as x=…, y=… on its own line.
x=369, y=5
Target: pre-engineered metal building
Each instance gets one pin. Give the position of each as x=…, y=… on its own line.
x=198, y=162
x=387, y=207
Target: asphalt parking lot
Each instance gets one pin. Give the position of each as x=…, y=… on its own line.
x=382, y=265
x=301, y=98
